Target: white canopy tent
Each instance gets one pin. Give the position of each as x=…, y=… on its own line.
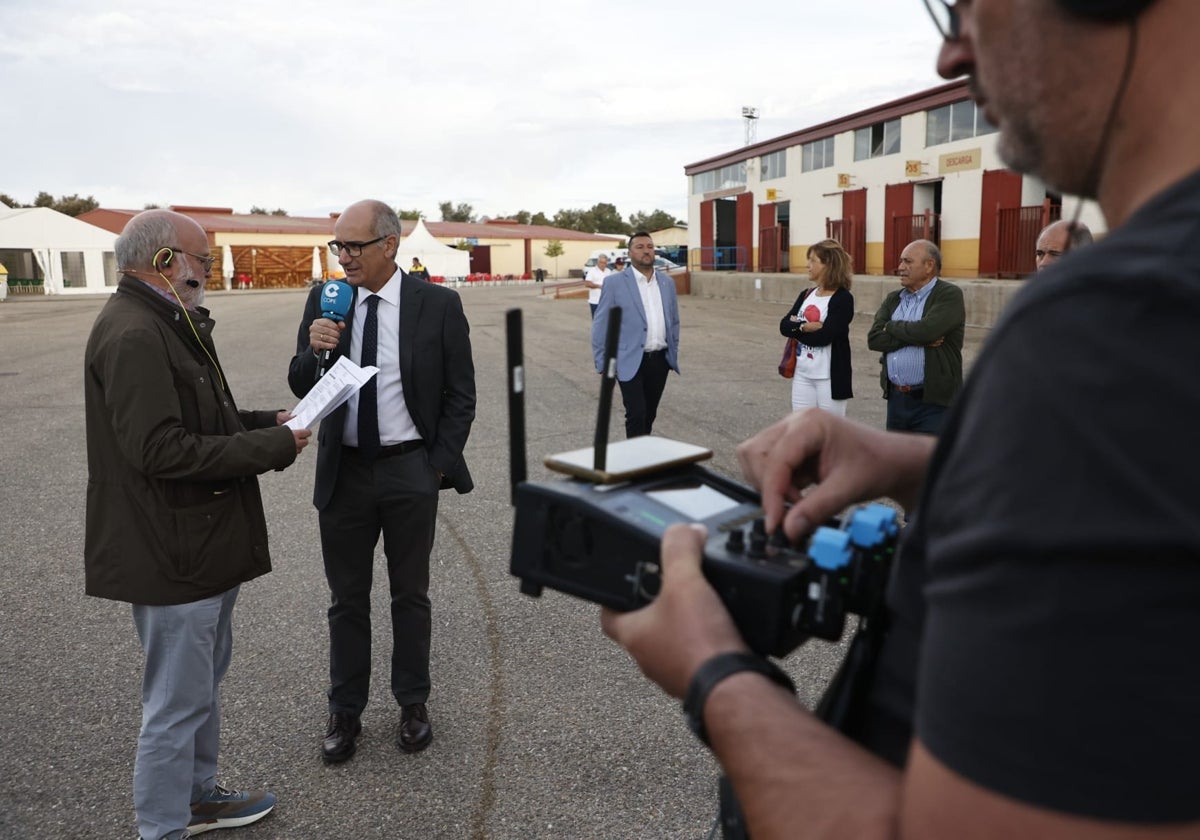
x=441, y=260
x=71, y=257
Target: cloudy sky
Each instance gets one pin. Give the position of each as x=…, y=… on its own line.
x=530, y=104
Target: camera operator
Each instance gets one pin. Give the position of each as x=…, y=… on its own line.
x=1037, y=678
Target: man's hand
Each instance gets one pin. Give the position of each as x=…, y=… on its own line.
x=301, y=436
x=937, y=342
x=847, y=461
x=685, y=625
x=324, y=334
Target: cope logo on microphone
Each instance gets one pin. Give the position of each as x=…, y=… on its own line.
x=330, y=292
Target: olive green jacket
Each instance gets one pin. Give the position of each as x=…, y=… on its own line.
x=944, y=317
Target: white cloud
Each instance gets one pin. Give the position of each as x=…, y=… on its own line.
x=310, y=105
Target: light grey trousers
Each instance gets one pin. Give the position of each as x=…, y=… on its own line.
x=188, y=648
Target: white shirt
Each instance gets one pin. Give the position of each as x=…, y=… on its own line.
x=395, y=423
x=656, y=320
x=595, y=275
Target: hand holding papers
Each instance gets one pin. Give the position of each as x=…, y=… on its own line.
x=338, y=384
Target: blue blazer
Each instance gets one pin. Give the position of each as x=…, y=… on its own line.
x=622, y=290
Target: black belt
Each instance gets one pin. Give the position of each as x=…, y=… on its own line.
x=402, y=448
x=661, y=351
x=911, y=390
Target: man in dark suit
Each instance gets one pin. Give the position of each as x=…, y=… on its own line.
x=648, y=347
x=382, y=457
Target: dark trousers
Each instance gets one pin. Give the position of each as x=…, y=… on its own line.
x=908, y=412
x=642, y=393
x=396, y=496
x=593, y=306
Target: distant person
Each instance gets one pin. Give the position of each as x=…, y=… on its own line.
x=382, y=458
x=175, y=521
x=619, y=264
x=649, y=341
x=419, y=271
x=1059, y=237
x=594, y=279
x=919, y=329
x=820, y=320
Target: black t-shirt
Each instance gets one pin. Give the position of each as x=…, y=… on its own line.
x=1046, y=601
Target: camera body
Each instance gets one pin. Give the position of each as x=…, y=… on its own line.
x=602, y=543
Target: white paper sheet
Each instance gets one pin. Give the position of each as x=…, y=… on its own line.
x=338, y=384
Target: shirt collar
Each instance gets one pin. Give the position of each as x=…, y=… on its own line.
x=924, y=291
x=390, y=293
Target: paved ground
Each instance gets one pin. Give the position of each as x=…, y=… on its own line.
x=544, y=729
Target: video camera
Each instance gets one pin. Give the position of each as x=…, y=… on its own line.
x=597, y=535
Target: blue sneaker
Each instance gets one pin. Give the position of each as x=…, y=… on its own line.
x=225, y=808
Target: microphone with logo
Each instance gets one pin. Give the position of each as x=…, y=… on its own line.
x=336, y=299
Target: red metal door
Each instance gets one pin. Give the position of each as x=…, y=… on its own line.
x=897, y=203
x=768, y=249
x=854, y=212
x=1001, y=191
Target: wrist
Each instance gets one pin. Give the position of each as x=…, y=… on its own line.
x=714, y=672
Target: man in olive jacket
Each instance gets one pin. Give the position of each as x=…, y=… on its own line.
x=919, y=331
x=174, y=517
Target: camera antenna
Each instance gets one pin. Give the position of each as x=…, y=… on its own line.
x=609, y=374
x=516, y=400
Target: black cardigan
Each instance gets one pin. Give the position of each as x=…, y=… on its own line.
x=835, y=333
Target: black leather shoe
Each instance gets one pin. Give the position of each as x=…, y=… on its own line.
x=339, y=744
x=415, y=731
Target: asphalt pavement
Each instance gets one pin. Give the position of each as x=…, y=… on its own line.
x=543, y=728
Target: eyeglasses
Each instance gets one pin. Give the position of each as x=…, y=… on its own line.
x=946, y=18
x=353, y=249
x=207, y=262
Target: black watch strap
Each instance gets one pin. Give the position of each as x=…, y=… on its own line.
x=718, y=668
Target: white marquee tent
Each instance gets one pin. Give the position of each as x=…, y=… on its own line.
x=67, y=255
x=440, y=259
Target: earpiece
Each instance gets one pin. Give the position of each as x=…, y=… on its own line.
x=1109, y=11
x=165, y=260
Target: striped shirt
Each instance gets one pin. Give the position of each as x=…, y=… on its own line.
x=906, y=366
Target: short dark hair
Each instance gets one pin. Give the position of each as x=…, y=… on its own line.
x=640, y=233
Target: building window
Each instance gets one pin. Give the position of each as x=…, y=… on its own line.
x=110, y=269
x=816, y=155
x=74, y=277
x=877, y=140
x=957, y=121
x=733, y=175
x=773, y=165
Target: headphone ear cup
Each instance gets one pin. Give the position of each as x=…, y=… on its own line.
x=163, y=258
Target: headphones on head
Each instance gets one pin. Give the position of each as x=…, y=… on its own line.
x=1105, y=11
x=160, y=262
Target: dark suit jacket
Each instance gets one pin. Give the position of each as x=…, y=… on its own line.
x=436, y=371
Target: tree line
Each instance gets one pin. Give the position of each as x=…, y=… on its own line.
x=601, y=218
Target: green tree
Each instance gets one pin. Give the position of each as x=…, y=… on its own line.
x=461, y=213
x=651, y=222
x=10, y=201
x=606, y=219
x=152, y=206
x=554, y=248
x=539, y=218
x=412, y=215
x=72, y=205
x=575, y=219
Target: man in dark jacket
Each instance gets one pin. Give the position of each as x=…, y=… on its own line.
x=175, y=522
x=919, y=331
x=382, y=458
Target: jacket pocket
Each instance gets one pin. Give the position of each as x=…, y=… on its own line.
x=212, y=539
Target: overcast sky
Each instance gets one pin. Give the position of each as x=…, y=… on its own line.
x=530, y=104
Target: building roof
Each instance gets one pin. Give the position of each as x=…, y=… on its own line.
x=924, y=100
x=224, y=220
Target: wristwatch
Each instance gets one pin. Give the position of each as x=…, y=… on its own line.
x=718, y=668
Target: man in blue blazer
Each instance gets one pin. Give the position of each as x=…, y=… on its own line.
x=648, y=347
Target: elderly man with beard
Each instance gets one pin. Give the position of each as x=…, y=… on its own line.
x=175, y=522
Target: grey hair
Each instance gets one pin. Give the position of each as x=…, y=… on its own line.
x=934, y=252
x=384, y=220
x=142, y=238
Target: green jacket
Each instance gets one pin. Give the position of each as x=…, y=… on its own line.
x=944, y=317
x=174, y=513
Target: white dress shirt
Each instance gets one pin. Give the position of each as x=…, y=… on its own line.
x=656, y=319
x=395, y=423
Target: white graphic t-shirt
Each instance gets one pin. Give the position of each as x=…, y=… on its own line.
x=813, y=362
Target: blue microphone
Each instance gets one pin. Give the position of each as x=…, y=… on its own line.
x=336, y=299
